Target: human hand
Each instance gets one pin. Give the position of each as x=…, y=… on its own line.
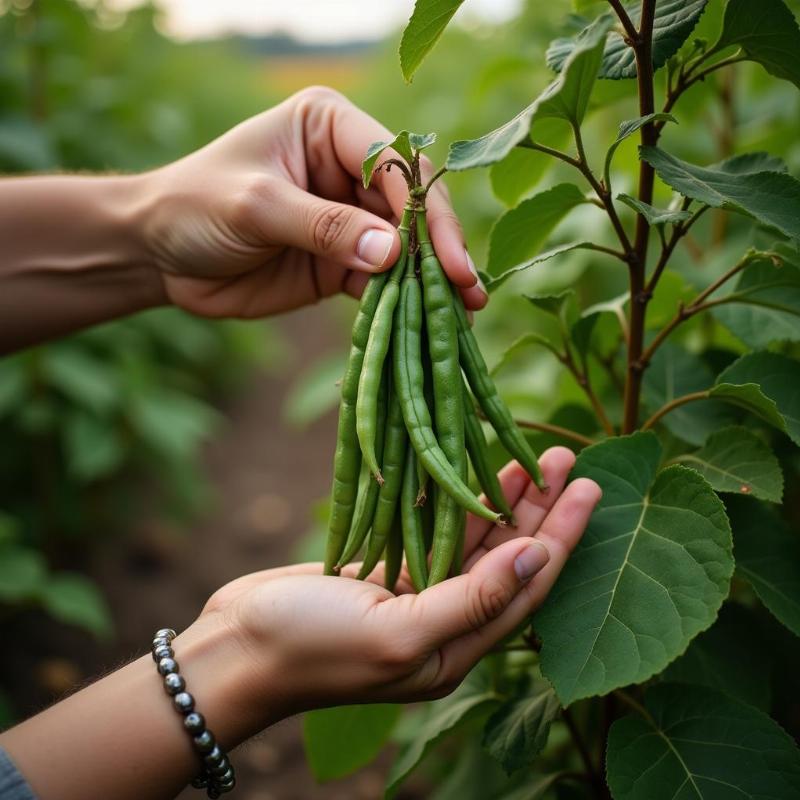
x=315, y=641
x=272, y=215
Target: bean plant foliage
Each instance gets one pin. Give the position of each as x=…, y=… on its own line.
x=654, y=668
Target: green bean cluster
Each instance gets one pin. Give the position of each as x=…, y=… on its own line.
x=408, y=423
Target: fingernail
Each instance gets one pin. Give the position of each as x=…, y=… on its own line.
x=530, y=561
x=482, y=287
x=374, y=247
x=471, y=267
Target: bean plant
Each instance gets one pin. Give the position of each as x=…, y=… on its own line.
x=661, y=665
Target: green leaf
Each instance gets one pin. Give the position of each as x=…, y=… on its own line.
x=741, y=185
x=427, y=23
x=472, y=698
x=93, y=448
x=730, y=656
x=566, y=98
x=74, y=599
x=674, y=21
x=22, y=573
x=778, y=377
x=649, y=574
x=700, y=744
x=315, y=392
x=517, y=732
x=768, y=557
x=495, y=283
x=339, y=741
x=405, y=144
x=736, y=460
x=83, y=378
x=518, y=234
x=749, y=397
x=655, y=216
x=765, y=305
x=534, y=787
x=523, y=168
x=628, y=128
x=767, y=32
x=673, y=373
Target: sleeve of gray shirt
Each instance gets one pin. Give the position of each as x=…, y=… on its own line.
x=12, y=785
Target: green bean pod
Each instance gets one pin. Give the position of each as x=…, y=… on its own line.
x=394, y=554
x=380, y=333
x=347, y=458
x=411, y=518
x=394, y=455
x=489, y=400
x=448, y=404
x=367, y=489
x=479, y=456
x=409, y=386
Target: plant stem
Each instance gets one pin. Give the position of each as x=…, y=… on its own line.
x=435, y=177
x=627, y=24
x=583, y=751
x=556, y=430
x=643, y=50
x=582, y=379
x=693, y=397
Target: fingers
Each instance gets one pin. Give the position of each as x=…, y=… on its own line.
x=466, y=603
x=559, y=533
x=528, y=503
x=286, y=215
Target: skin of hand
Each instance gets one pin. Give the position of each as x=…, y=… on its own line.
x=277, y=642
x=272, y=215
x=354, y=641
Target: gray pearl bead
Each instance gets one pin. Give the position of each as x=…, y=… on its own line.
x=224, y=788
x=165, y=633
x=184, y=702
x=194, y=723
x=167, y=665
x=220, y=769
x=226, y=777
x=174, y=683
x=200, y=782
x=214, y=757
x=163, y=651
x=204, y=742
x=157, y=643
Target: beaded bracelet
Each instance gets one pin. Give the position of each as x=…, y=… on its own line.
x=217, y=775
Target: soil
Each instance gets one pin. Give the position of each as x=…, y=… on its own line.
x=266, y=478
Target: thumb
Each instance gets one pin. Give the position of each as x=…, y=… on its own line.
x=468, y=602
x=338, y=232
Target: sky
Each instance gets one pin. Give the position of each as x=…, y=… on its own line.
x=312, y=20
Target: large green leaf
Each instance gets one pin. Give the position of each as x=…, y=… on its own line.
x=523, y=168
x=341, y=740
x=768, y=556
x=649, y=574
x=765, y=305
x=673, y=373
x=405, y=144
x=674, y=21
x=517, y=732
x=750, y=398
x=730, y=656
x=518, y=234
x=767, y=32
x=427, y=23
x=735, y=460
x=495, y=283
x=73, y=598
x=22, y=573
x=778, y=377
x=565, y=98
x=655, y=216
x=740, y=184
x=472, y=698
x=698, y=744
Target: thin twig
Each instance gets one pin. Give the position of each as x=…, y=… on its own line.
x=556, y=430
x=627, y=24
x=436, y=175
x=580, y=745
x=692, y=397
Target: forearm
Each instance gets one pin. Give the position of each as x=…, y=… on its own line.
x=121, y=739
x=71, y=256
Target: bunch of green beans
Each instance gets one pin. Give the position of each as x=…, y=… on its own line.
x=408, y=424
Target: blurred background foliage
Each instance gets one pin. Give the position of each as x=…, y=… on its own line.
x=89, y=423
